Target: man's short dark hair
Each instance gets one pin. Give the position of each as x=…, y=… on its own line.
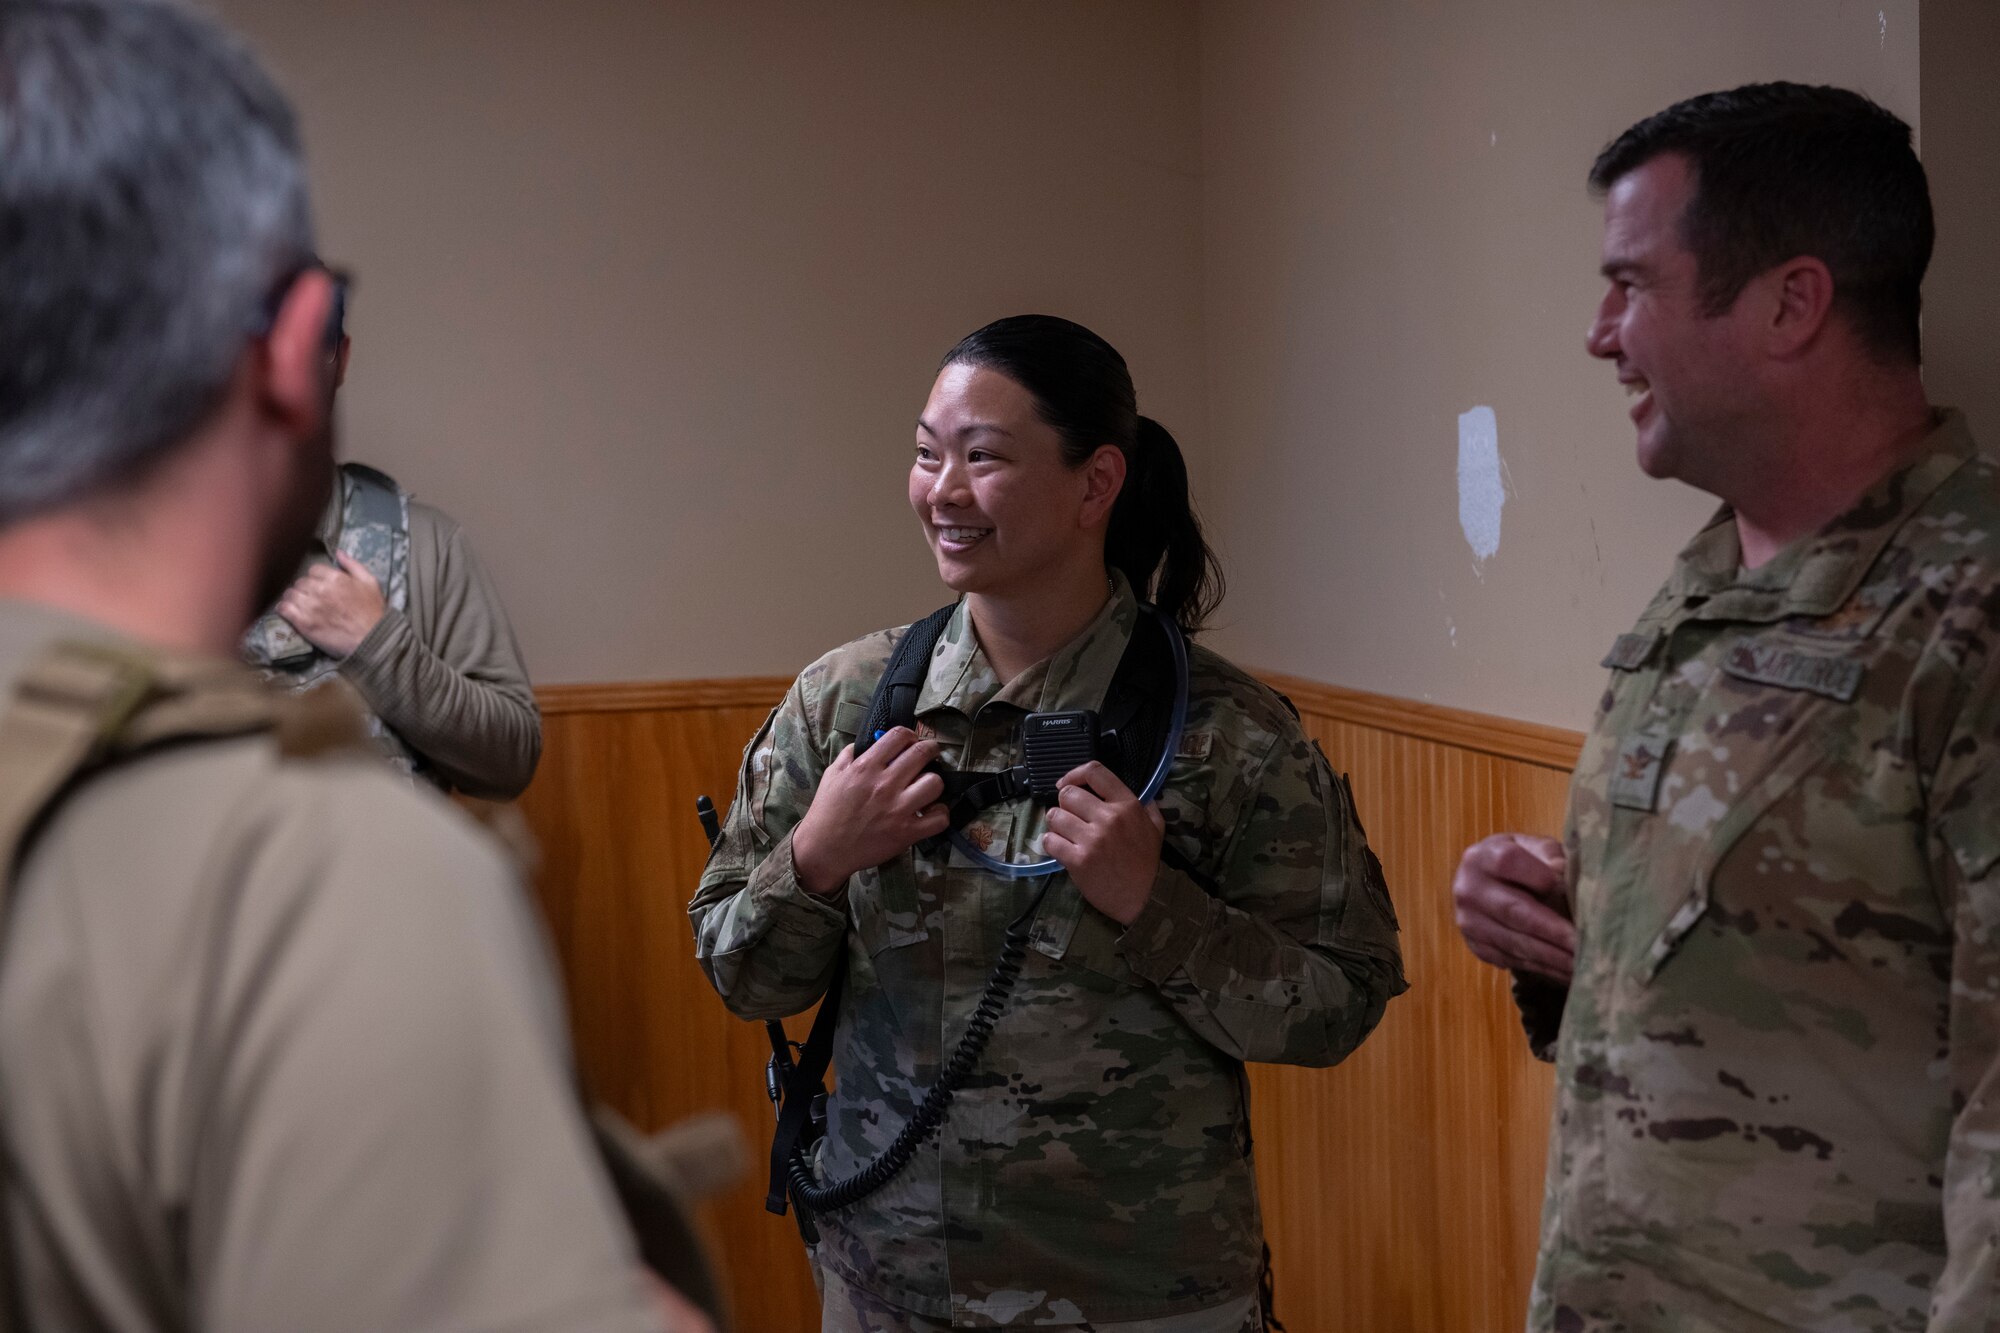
x=1783, y=170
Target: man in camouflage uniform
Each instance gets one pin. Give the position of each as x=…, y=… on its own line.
x=392, y=601
x=1765, y=955
x=1096, y=1169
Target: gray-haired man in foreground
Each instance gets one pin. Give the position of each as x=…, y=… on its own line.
x=279, y=1043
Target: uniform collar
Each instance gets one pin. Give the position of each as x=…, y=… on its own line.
x=1075, y=676
x=1815, y=575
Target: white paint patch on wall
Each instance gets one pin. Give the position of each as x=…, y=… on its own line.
x=1482, y=493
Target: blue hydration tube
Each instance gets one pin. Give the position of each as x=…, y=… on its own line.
x=1051, y=866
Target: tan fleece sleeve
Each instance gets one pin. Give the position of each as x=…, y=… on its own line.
x=447, y=674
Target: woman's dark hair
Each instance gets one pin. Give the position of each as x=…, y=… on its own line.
x=1083, y=390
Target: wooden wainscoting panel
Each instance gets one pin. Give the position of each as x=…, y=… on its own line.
x=1530, y=742
x=662, y=696
x=1401, y=1189
x=613, y=807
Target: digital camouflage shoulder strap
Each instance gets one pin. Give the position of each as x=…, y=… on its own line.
x=374, y=532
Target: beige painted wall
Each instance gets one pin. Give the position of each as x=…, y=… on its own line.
x=1397, y=230
x=650, y=293
x=1961, y=46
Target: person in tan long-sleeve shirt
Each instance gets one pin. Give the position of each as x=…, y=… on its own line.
x=446, y=674
x=393, y=601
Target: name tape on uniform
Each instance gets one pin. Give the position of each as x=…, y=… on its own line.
x=1792, y=669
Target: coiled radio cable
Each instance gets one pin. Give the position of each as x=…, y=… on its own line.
x=926, y=1120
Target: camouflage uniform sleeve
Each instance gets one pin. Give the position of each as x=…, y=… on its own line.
x=1540, y=1000
x=1287, y=952
x=1966, y=850
x=767, y=945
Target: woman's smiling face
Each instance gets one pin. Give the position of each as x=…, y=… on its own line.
x=1000, y=508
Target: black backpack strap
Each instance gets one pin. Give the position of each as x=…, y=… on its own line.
x=804, y=1081
x=1138, y=706
x=804, y=1095
x=1139, y=703
x=895, y=701
x=966, y=794
x=374, y=479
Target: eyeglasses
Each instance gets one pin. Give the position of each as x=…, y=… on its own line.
x=336, y=324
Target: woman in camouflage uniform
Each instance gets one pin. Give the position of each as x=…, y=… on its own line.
x=1095, y=1169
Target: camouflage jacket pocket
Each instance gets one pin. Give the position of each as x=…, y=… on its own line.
x=1093, y=951
x=1367, y=922
x=1785, y=768
x=1972, y=835
x=883, y=905
x=1081, y=940
x=1971, y=838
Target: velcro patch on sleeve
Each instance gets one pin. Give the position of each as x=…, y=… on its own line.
x=848, y=715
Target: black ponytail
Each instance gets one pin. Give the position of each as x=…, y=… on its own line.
x=1154, y=529
x=1083, y=390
